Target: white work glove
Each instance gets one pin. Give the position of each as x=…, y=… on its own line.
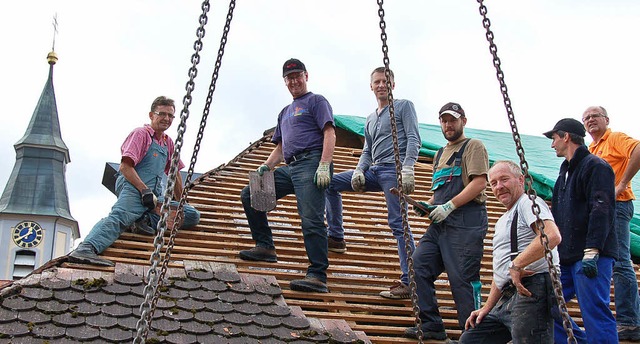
x=357, y=180
x=441, y=212
x=323, y=175
x=408, y=180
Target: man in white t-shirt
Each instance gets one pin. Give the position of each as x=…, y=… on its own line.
x=521, y=298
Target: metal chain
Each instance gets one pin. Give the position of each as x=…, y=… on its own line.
x=396, y=153
x=151, y=289
x=531, y=192
x=196, y=149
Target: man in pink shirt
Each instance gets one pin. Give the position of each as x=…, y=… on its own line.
x=146, y=159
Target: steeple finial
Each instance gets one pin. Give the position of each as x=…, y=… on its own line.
x=55, y=31
x=52, y=58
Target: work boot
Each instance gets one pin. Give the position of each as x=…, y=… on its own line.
x=259, y=254
x=86, y=254
x=336, y=245
x=309, y=284
x=397, y=291
x=412, y=332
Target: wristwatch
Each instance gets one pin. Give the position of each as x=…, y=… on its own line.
x=514, y=267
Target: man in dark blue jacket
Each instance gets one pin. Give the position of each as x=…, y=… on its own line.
x=584, y=208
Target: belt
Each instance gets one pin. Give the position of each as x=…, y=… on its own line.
x=299, y=156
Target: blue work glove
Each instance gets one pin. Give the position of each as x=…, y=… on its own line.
x=441, y=212
x=323, y=175
x=262, y=169
x=148, y=199
x=419, y=211
x=408, y=180
x=590, y=262
x=358, y=181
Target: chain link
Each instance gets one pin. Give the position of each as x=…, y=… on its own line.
x=531, y=192
x=151, y=294
x=396, y=153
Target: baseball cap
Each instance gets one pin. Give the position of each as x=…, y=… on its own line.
x=454, y=109
x=292, y=66
x=568, y=125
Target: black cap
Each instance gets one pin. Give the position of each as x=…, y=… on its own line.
x=568, y=125
x=292, y=66
x=454, y=109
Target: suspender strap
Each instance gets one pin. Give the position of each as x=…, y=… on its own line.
x=457, y=156
x=514, y=235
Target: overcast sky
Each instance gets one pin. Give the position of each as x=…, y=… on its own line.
x=115, y=57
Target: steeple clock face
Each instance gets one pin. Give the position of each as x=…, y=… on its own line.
x=27, y=234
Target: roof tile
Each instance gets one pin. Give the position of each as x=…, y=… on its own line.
x=181, y=338
x=52, y=307
x=116, y=334
x=34, y=317
x=48, y=331
x=231, y=297
x=85, y=309
x=203, y=295
x=69, y=295
x=102, y=321
x=116, y=310
x=215, y=286
x=55, y=284
x=129, y=300
x=117, y=289
x=36, y=293
x=209, y=317
x=83, y=333
x=18, y=304
x=100, y=298
x=128, y=279
x=165, y=325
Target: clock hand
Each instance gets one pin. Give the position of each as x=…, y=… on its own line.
x=26, y=235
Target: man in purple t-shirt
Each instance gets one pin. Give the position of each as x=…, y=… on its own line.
x=305, y=139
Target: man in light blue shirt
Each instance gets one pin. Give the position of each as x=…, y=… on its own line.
x=376, y=171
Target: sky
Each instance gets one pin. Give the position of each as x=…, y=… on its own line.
x=558, y=58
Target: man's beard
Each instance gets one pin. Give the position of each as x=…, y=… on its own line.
x=455, y=136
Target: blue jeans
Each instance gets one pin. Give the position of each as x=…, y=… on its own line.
x=377, y=178
x=594, y=295
x=127, y=210
x=624, y=276
x=521, y=318
x=296, y=178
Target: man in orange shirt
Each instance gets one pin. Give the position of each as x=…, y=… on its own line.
x=619, y=150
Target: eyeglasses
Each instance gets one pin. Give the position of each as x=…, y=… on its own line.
x=164, y=114
x=295, y=75
x=588, y=117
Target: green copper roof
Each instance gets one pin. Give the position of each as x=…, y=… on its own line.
x=37, y=183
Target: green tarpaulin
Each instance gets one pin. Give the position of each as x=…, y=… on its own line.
x=541, y=158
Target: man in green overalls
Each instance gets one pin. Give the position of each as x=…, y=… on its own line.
x=454, y=240
x=146, y=159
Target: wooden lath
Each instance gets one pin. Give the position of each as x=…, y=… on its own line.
x=355, y=278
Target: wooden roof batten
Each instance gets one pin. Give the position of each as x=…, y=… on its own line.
x=355, y=278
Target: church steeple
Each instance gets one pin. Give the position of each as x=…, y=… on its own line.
x=37, y=183
x=35, y=221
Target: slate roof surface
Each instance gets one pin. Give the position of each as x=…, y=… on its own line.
x=200, y=303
